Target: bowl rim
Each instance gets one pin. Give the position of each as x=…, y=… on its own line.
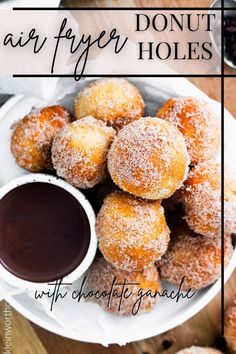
x=54, y=327
x=86, y=262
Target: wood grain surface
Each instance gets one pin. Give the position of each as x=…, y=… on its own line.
x=203, y=329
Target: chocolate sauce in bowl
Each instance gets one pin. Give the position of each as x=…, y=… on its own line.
x=44, y=232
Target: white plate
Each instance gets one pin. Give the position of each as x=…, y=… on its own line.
x=94, y=325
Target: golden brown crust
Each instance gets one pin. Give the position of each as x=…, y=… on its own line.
x=79, y=152
x=101, y=275
x=132, y=232
x=33, y=136
x=229, y=200
x=148, y=158
x=195, y=257
x=197, y=122
x=201, y=195
x=115, y=101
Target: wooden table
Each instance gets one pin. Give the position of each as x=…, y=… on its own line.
x=203, y=329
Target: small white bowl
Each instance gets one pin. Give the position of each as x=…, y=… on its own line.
x=84, y=265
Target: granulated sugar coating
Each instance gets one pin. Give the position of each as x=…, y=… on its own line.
x=199, y=350
x=115, y=101
x=79, y=152
x=198, y=123
x=148, y=158
x=132, y=232
x=194, y=257
x=201, y=196
x=230, y=326
x=101, y=276
x=33, y=136
x=229, y=200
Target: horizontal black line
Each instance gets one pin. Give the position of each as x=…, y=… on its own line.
x=113, y=8
x=230, y=75
x=117, y=75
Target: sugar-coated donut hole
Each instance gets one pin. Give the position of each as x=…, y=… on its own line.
x=33, y=136
x=201, y=195
x=197, y=122
x=229, y=200
x=132, y=232
x=117, y=102
x=101, y=276
x=193, y=256
x=148, y=158
x=79, y=152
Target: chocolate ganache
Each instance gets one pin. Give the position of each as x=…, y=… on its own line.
x=44, y=232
